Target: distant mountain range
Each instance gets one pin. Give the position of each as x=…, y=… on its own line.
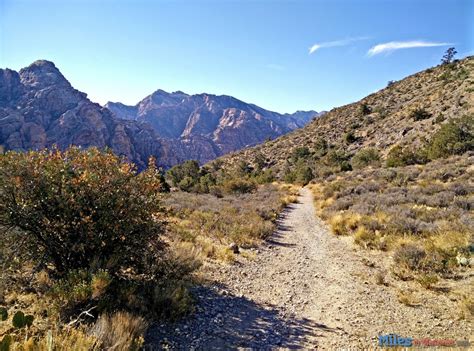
x=207, y=125
x=39, y=108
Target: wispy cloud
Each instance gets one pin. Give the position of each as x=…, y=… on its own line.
x=330, y=44
x=397, y=45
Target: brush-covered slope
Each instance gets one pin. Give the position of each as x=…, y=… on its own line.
x=406, y=113
x=209, y=125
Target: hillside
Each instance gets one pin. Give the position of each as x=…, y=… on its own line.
x=405, y=113
x=208, y=125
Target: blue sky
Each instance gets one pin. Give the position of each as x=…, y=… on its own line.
x=281, y=55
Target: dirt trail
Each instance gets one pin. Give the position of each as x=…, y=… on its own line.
x=306, y=288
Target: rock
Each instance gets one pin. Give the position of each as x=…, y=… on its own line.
x=234, y=248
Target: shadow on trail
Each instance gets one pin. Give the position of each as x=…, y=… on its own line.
x=277, y=238
x=229, y=322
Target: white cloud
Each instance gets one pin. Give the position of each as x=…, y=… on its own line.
x=396, y=45
x=330, y=44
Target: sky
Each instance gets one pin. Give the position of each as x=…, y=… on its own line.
x=281, y=55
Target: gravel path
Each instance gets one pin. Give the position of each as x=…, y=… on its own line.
x=305, y=289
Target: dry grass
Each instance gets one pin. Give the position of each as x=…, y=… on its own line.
x=407, y=298
x=344, y=223
x=210, y=224
x=120, y=331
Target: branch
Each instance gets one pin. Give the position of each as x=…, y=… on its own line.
x=87, y=313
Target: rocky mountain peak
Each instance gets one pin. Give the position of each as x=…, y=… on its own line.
x=41, y=74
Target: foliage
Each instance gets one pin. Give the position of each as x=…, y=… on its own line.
x=420, y=114
x=76, y=208
x=366, y=157
x=300, y=153
x=184, y=176
x=399, y=156
x=350, y=137
x=453, y=138
x=239, y=186
x=210, y=224
x=423, y=207
x=365, y=109
x=300, y=173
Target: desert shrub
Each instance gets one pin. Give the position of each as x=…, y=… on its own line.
x=300, y=152
x=365, y=237
x=184, y=176
x=303, y=174
x=410, y=256
x=365, y=109
x=239, y=186
x=399, y=156
x=337, y=159
x=350, y=137
x=264, y=177
x=78, y=208
x=453, y=138
x=365, y=157
x=320, y=147
x=243, y=169
x=260, y=162
x=419, y=114
x=440, y=118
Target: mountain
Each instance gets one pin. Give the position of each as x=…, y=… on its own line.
x=405, y=113
x=208, y=125
x=39, y=108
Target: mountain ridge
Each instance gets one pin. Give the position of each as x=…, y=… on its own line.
x=39, y=108
x=216, y=123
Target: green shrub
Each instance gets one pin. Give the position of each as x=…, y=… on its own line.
x=76, y=208
x=304, y=174
x=399, y=156
x=239, y=186
x=420, y=114
x=365, y=109
x=366, y=157
x=350, y=137
x=300, y=153
x=184, y=176
x=453, y=138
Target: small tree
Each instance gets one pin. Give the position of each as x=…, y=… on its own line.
x=77, y=209
x=448, y=56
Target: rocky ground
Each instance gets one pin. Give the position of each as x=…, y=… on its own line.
x=305, y=288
